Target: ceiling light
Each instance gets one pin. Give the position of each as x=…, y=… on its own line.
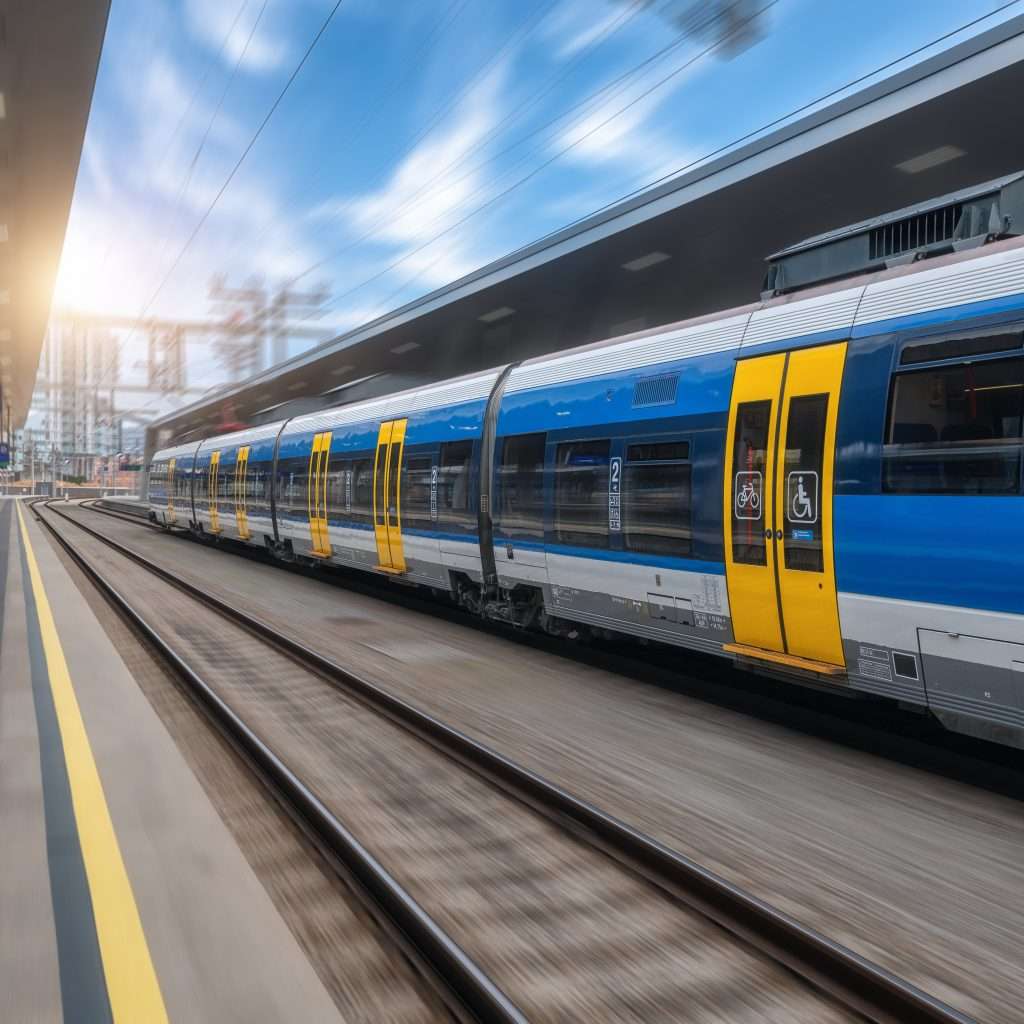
x=298, y=384
x=3, y=105
x=643, y=262
x=407, y=347
x=339, y=370
x=933, y=158
x=496, y=314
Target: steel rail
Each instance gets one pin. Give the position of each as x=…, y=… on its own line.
x=856, y=982
x=463, y=984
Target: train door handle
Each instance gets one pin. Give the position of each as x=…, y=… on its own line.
x=778, y=535
x=768, y=534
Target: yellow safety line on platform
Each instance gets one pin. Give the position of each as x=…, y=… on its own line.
x=132, y=984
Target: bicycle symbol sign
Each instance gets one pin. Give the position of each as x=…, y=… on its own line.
x=747, y=495
x=802, y=496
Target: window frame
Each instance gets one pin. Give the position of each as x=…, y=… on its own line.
x=611, y=539
x=518, y=533
x=888, y=457
x=650, y=441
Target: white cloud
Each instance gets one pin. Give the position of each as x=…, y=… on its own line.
x=210, y=22
x=617, y=128
x=579, y=23
x=403, y=215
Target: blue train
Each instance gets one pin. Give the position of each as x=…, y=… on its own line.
x=824, y=486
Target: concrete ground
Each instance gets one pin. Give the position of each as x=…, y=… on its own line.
x=123, y=894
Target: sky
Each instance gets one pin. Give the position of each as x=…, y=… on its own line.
x=419, y=139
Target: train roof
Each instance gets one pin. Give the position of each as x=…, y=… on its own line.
x=952, y=279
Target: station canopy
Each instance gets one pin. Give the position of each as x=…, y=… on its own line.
x=692, y=245
x=51, y=50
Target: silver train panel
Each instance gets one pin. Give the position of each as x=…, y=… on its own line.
x=965, y=664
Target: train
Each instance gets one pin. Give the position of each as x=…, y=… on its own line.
x=824, y=486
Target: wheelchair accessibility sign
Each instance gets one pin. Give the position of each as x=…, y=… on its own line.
x=748, y=493
x=802, y=496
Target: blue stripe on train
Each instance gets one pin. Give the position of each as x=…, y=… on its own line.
x=957, y=550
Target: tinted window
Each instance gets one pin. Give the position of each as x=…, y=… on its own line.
x=581, y=493
x=656, y=498
x=960, y=345
x=182, y=481
x=416, y=492
x=454, y=507
x=803, y=461
x=292, y=480
x=956, y=429
x=379, y=481
x=750, y=448
x=337, y=477
x=362, y=490
x=521, y=486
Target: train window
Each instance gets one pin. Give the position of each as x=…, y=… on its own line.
x=956, y=429
x=963, y=344
x=337, y=471
x=454, y=506
x=362, y=490
x=521, y=486
x=581, y=493
x=293, y=476
x=750, y=448
x=656, y=498
x=416, y=492
x=182, y=481
x=380, y=480
x=202, y=482
x=802, y=517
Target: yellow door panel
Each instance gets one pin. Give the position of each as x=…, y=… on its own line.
x=171, y=517
x=803, y=494
x=393, y=512
x=380, y=479
x=214, y=474
x=316, y=494
x=241, y=492
x=748, y=513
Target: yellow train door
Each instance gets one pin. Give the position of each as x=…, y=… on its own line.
x=171, y=516
x=316, y=494
x=241, y=493
x=214, y=474
x=780, y=454
x=387, y=498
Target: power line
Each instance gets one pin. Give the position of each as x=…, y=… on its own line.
x=781, y=120
x=545, y=164
x=241, y=159
x=907, y=56
x=611, y=88
x=436, y=118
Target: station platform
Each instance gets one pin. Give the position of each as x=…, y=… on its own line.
x=123, y=895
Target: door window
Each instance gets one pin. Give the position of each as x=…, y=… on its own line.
x=749, y=461
x=801, y=469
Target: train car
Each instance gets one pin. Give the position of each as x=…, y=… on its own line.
x=170, y=485
x=232, y=492
x=390, y=485
x=824, y=486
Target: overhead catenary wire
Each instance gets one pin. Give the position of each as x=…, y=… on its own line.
x=724, y=148
x=514, y=115
x=242, y=157
x=544, y=165
x=810, y=105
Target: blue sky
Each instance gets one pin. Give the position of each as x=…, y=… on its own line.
x=408, y=117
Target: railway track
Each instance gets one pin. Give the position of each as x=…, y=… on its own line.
x=853, y=982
